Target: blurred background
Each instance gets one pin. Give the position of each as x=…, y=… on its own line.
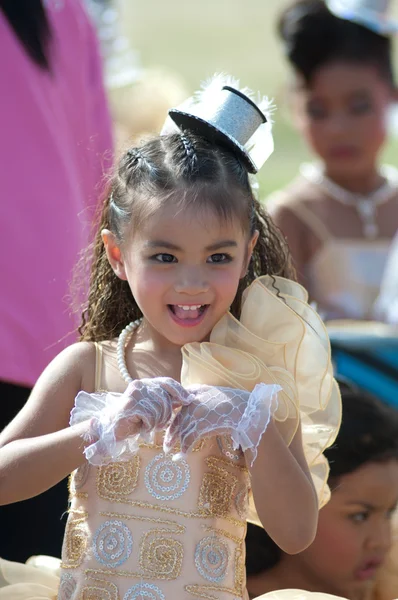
x=197, y=39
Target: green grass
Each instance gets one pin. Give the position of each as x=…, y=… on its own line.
x=197, y=38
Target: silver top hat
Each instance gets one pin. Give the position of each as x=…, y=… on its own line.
x=226, y=115
x=373, y=14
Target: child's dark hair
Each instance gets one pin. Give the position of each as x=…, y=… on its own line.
x=188, y=170
x=368, y=434
x=314, y=37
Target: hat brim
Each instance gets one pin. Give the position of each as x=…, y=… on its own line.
x=185, y=120
x=368, y=19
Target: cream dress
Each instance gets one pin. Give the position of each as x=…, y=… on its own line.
x=151, y=528
x=342, y=269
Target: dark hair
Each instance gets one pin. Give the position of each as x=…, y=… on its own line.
x=29, y=21
x=368, y=434
x=314, y=37
x=187, y=169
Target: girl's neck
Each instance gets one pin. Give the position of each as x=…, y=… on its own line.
x=364, y=184
x=151, y=355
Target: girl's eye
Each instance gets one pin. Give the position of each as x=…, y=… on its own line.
x=359, y=517
x=315, y=111
x=219, y=258
x=164, y=258
x=360, y=108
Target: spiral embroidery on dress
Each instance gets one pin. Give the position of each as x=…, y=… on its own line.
x=142, y=591
x=112, y=543
x=67, y=587
x=161, y=556
x=166, y=479
x=75, y=541
x=79, y=476
x=118, y=480
x=242, y=501
x=211, y=558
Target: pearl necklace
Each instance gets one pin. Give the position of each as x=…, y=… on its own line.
x=365, y=205
x=121, y=347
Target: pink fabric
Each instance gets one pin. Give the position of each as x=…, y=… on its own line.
x=55, y=145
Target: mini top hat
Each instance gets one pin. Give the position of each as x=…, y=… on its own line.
x=226, y=115
x=373, y=14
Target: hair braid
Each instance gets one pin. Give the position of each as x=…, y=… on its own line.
x=192, y=171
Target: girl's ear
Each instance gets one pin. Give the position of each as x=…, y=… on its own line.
x=113, y=253
x=250, y=247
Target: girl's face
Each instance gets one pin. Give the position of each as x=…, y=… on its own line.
x=183, y=269
x=354, y=532
x=342, y=116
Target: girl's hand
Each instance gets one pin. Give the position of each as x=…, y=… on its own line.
x=119, y=421
x=147, y=405
x=219, y=410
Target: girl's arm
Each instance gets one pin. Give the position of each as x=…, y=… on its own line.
x=38, y=448
x=283, y=491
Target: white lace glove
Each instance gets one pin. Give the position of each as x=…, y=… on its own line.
x=118, y=422
x=220, y=410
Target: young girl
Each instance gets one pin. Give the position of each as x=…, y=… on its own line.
x=340, y=214
x=349, y=556
x=180, y=238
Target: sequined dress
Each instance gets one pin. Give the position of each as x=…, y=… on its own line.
x=158, y=529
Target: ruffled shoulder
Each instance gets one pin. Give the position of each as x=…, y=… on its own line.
x=279, y=339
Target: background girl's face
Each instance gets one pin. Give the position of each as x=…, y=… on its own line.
x=342, y=115
x=184, y=269
x=354, y=532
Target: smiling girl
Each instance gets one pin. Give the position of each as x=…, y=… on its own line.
x=181, y=238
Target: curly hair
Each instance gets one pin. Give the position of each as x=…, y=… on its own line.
x=313, y=37
x=189, y=170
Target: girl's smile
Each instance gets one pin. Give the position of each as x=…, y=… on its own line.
x=183, y=269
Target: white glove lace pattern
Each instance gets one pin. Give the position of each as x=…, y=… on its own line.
x=221, y=410
x=119, y=422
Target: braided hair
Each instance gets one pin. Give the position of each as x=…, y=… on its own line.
x=187, y=169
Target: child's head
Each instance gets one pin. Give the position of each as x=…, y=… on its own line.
x=354, y=530
x=181, y=228
x=343, y=85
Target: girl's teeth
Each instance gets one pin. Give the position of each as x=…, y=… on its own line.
x=192, y=307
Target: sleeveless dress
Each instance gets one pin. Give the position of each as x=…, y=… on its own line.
x=344, y=276
x=157, y=529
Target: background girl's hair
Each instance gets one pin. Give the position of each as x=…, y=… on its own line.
x=187, y=170
x=313, y=37
x=29, y=21
x=368, y=434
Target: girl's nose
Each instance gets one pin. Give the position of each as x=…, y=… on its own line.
x=380, y=537
x=191, y=281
